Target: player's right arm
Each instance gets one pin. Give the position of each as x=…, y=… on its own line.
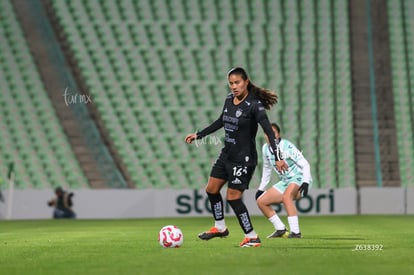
x=217, y=124
x=266, y=171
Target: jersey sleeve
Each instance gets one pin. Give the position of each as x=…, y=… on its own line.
x=289, y=150
x=217, y=124
x=267, y=170
x=263, y=120
x=305, y=169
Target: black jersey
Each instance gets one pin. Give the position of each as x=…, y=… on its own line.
x=240, y=123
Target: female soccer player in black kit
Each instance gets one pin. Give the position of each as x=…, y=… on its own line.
x=243, y=110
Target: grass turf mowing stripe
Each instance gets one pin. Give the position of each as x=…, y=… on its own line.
x=330, y=245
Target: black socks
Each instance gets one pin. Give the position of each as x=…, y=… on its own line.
x=216, y=202
x=242, y=214
x=238, y=206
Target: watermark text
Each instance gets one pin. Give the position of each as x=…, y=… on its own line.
x=208, y=140
x=368, y=247
x=75, y=98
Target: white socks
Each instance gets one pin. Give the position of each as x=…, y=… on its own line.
x=251, y=235
x=294, y=224
x=279, y=225
x=220, y=225
x=277, y=222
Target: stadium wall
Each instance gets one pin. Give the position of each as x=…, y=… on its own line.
x=154, y=203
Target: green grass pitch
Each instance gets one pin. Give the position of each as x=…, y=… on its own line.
x=330, y=245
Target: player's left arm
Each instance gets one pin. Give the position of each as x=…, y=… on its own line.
x=304, y=164
x=263, y=120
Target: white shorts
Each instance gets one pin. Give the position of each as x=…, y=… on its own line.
x=297, y=179
x=281, y=186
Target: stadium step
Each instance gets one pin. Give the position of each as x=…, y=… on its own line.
x=56, y=90
x=366, y=143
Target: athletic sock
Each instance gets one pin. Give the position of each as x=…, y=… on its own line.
x=277, y=222
x=220, y=225
x=216, y=203
x=242, y=215
x=294, y=224
x=251, y=235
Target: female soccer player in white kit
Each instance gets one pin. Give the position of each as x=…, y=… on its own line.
x=293, y=185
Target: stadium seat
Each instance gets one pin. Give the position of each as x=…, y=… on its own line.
x=36, y=141
x=401, y=36
x=157, y=72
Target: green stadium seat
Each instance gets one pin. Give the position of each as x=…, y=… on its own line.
x=161, y=66
x=401, y=36
x=29, y=117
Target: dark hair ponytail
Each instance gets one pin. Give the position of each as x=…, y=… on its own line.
x=267, y=97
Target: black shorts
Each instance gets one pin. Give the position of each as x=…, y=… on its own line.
x=237, y=175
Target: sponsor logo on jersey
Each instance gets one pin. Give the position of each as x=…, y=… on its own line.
x=230, y=119
x=228, y=139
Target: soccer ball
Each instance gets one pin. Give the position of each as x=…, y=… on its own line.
x=170, y=236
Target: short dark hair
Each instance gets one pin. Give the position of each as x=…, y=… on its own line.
x=276, y=126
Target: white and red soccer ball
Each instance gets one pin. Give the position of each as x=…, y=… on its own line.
x=170, y=236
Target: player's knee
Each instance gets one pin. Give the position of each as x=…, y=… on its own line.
x=212, y=189
x=259, y=202
x=234, y=194
x=262, y=204
x=287, y=197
